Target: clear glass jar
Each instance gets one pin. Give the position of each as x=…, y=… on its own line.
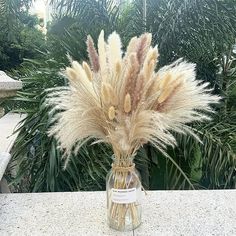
x=124, y=195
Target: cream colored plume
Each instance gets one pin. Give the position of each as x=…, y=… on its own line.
x=102, y=54
x=114, y=50
x=150, y=62
x=123, y=101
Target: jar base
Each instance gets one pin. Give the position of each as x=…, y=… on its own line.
x=112, y=224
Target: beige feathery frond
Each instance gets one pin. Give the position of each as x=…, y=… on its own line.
x=131, y=106
x=82, y=77
x=87, y=71
x=143, y=45
x=127, y=103
x=105, y=93
x=138, y=90
x=92, y=54
x=165, y=80
x=118, y=68
x=111, y=113
x=150, y=62
x=131, y=74
x=113, y=96
x=71, y=74
x=131, y=48
x=79, y=70
x=114, y=50
x=102, y=56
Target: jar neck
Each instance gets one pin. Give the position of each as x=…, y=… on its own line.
x=123, y=161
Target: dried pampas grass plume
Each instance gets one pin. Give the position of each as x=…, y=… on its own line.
x=87, y=71
x=92, y=54
x=127, y=103
x=71, y=74
x=102, y=55
x=111, y=113
x=114, y=50
x=123, y=101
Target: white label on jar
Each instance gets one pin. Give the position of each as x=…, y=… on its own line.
x=123, y=196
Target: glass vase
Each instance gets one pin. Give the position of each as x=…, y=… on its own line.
x=124, y=194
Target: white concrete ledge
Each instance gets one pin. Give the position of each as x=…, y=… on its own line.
x=7, y=83
x=84, y=213
x=8, y=124
x=4, y=160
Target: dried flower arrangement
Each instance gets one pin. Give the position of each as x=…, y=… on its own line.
x=121, y=100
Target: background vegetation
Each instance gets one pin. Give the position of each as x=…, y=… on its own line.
x=19, y=37
x=202, y=32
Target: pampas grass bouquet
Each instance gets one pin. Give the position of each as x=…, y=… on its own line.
x=120, y=98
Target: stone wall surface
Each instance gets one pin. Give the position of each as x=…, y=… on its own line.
x=202, y=212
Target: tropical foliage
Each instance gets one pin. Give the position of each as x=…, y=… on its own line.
x=19, y=37
x=203, y=33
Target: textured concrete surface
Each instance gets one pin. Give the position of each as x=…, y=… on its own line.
x=7, y=83
x=84, y=213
